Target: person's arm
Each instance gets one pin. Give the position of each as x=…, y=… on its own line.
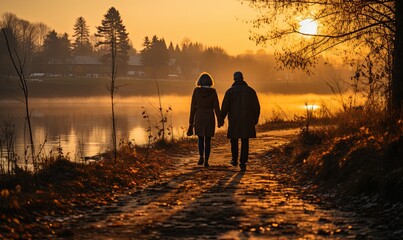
x=193, y=107
x=216, y=106
x=256, y=107
x=225, y=106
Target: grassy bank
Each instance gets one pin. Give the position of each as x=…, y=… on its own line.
x=358, y=153
x=31, y=204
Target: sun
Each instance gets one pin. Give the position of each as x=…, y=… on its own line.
x=308, y=26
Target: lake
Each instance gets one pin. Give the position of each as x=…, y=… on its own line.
x=82, y=126
x=75, y=113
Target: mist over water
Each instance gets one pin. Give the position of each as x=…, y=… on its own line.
x=75, y=113
x=82, y=126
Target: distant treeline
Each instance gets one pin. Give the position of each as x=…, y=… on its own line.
x=46, y=52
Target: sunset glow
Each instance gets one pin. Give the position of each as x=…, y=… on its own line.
x=308, y=26
x=311, y=107
x=213, y=23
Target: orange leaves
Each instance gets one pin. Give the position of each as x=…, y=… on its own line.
x=133, y=170
x=16, y=221
x=18, y=189
x=75, y=187
x=39, y=192
x=342, y=138
x=8, y=198
x=57, y=202
x=5, y=193
x=364, y=130
x=14, y=204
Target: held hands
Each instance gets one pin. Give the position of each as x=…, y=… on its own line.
x=190, y=131
x=220, y=124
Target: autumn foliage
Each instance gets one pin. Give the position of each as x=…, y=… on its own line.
x=359, y=153
x=30, y=203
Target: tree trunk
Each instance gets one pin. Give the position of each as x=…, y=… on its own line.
x=397, y=75
x=112, y=92
x=19, y=68
x=28, y=118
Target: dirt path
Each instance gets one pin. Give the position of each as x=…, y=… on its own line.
x=192, y=202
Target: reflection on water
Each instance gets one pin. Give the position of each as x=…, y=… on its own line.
x=82, y=126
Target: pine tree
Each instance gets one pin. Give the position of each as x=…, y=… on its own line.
x=155, y=56
x=113, y=35
x=81, y=34
x=56, y=49
x=171, y=50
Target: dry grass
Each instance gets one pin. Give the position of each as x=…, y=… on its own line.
x=63, y=188
x=359, y=152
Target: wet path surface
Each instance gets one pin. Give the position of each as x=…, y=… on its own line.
x=220, y=202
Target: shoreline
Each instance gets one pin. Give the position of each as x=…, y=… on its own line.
x=95, y=87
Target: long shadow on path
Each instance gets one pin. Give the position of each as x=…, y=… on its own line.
x=190, y=202
x=212, y=214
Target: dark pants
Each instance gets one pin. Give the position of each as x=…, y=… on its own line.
x=244, y=150
x=204, y=144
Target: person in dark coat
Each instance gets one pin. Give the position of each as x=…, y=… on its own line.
x=203, y=106
x=241, y=104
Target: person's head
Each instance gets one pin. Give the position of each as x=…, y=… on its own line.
x=238, y=76
x=205, y=80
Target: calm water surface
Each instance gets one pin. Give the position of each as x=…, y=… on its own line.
x=82, y=126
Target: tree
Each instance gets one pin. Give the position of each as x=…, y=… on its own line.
x=190, y=58
x=171, y=50
x=51, y=47
x=82, y=45
x=56, y=49
x=25, y=35
x=65, y=47
x=213, y=57
x=19, y=66
x=397, y=70
x=155, y=56
x=5, y=63
x=177, y=50
x=19, y=38
x=371, y=28
x=113, y=35
x=146, y=43
x=43, y=30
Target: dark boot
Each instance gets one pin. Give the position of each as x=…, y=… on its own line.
x=207, y=150
x=233, y=162
x=201, y=161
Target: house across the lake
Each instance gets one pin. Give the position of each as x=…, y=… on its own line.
x=93, y=67
x=86, y=66
x=135, y=67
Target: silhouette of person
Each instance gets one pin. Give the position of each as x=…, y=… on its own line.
x=203, y=106
x=241, y=104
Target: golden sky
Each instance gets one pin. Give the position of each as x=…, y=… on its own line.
x=211, y=22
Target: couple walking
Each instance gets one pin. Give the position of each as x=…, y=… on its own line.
x=241, y=105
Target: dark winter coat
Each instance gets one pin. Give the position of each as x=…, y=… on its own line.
x=204, y=104
x=242, y=106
